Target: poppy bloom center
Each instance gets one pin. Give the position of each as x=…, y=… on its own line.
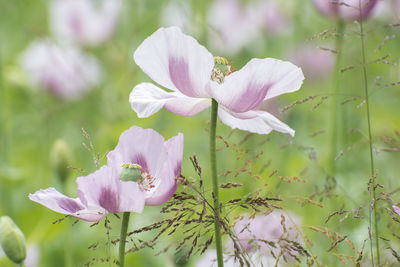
x=222, y=68
x=135, y=172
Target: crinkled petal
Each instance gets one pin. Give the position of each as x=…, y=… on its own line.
x=147, y=99
x=131, y=197
x=60, y=203
x=165, y=187
x=100, y=188
x=258, y=80
x=259, y=122
x=174, y=148
x=176, y=61
x=166, y=181
x=144, y=147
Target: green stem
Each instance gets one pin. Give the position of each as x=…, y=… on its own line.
x=213, y=159
x=371, y=154
x=68, y=260
x=335, y=91
x=122, y=239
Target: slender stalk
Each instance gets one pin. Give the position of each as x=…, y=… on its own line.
x=68, y=260
x=122, y=238
x=213, y=159
x=371, y=154
x=335, y=134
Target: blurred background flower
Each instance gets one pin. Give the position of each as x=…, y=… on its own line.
x=265, y=238
x=85, y=22
x=315, y=63
x=347, y=10
x=66, y=72
x=234, y=24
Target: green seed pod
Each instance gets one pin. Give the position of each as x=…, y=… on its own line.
x=131, y=172
x=61, y=159
x=12, y=240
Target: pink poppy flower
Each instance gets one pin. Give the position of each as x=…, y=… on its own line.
x=178, y=62
x=251, y=232
x=98, y=194
x=345, y=10
x=85, y=22
x=64, y=72
x=159, y=162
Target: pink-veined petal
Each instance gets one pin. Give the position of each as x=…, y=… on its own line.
x=60, y=203
x=176, y=61
x=257, y=81
x=147, y=99
x=100, y=188
x=259, y=122
x=131, y=197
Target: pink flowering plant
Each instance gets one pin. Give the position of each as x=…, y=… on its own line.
x=197, y=80
x=141, y=170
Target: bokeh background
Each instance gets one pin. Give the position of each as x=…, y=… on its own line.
x=35, y=112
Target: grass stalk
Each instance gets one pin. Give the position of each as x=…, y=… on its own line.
x=371, y=154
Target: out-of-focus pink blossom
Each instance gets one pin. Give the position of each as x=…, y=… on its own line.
x=65, y=72
x=234, y=24
x=252, y=232
x=315, y=63
x=347, y=9
x=268, y=15
x=178, y=13
x=178, y=62
x=86, y=22
x=231, y=28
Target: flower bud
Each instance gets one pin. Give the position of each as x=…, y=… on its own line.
x=130, y=172
x=61, y=159
x=12, y=240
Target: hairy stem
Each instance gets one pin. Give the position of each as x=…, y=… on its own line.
x=214, y=177
x=371, y=154
x=335, y=134
x=122, y=238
